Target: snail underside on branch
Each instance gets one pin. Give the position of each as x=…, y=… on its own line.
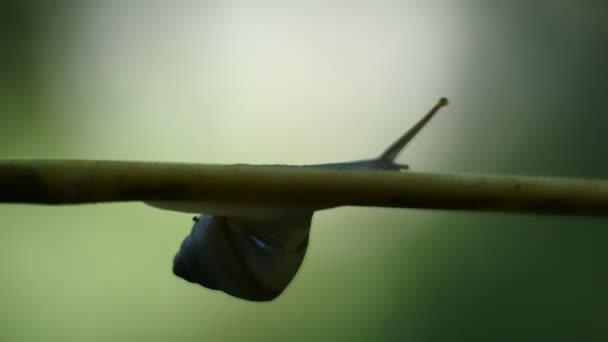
x=254, y=252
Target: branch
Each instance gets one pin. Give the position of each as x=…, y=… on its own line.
x=79, y=181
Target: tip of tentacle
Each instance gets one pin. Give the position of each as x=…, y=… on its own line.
x=442, y=102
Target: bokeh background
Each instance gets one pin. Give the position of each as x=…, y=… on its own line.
x=308, y=82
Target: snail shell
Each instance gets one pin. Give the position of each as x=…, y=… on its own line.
x=243, y=257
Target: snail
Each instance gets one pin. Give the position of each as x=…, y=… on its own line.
x=254, y=253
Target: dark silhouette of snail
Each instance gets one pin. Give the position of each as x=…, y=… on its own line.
x=254, y=253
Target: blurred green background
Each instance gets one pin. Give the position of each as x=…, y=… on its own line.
x=307, y=82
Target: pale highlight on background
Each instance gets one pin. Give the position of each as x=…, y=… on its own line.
x=245, y=82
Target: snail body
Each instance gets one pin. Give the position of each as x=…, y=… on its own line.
x=253, y=253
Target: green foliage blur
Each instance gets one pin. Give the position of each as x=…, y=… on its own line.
x=308, y=82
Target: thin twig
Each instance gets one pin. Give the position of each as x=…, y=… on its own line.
x=79, y=181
